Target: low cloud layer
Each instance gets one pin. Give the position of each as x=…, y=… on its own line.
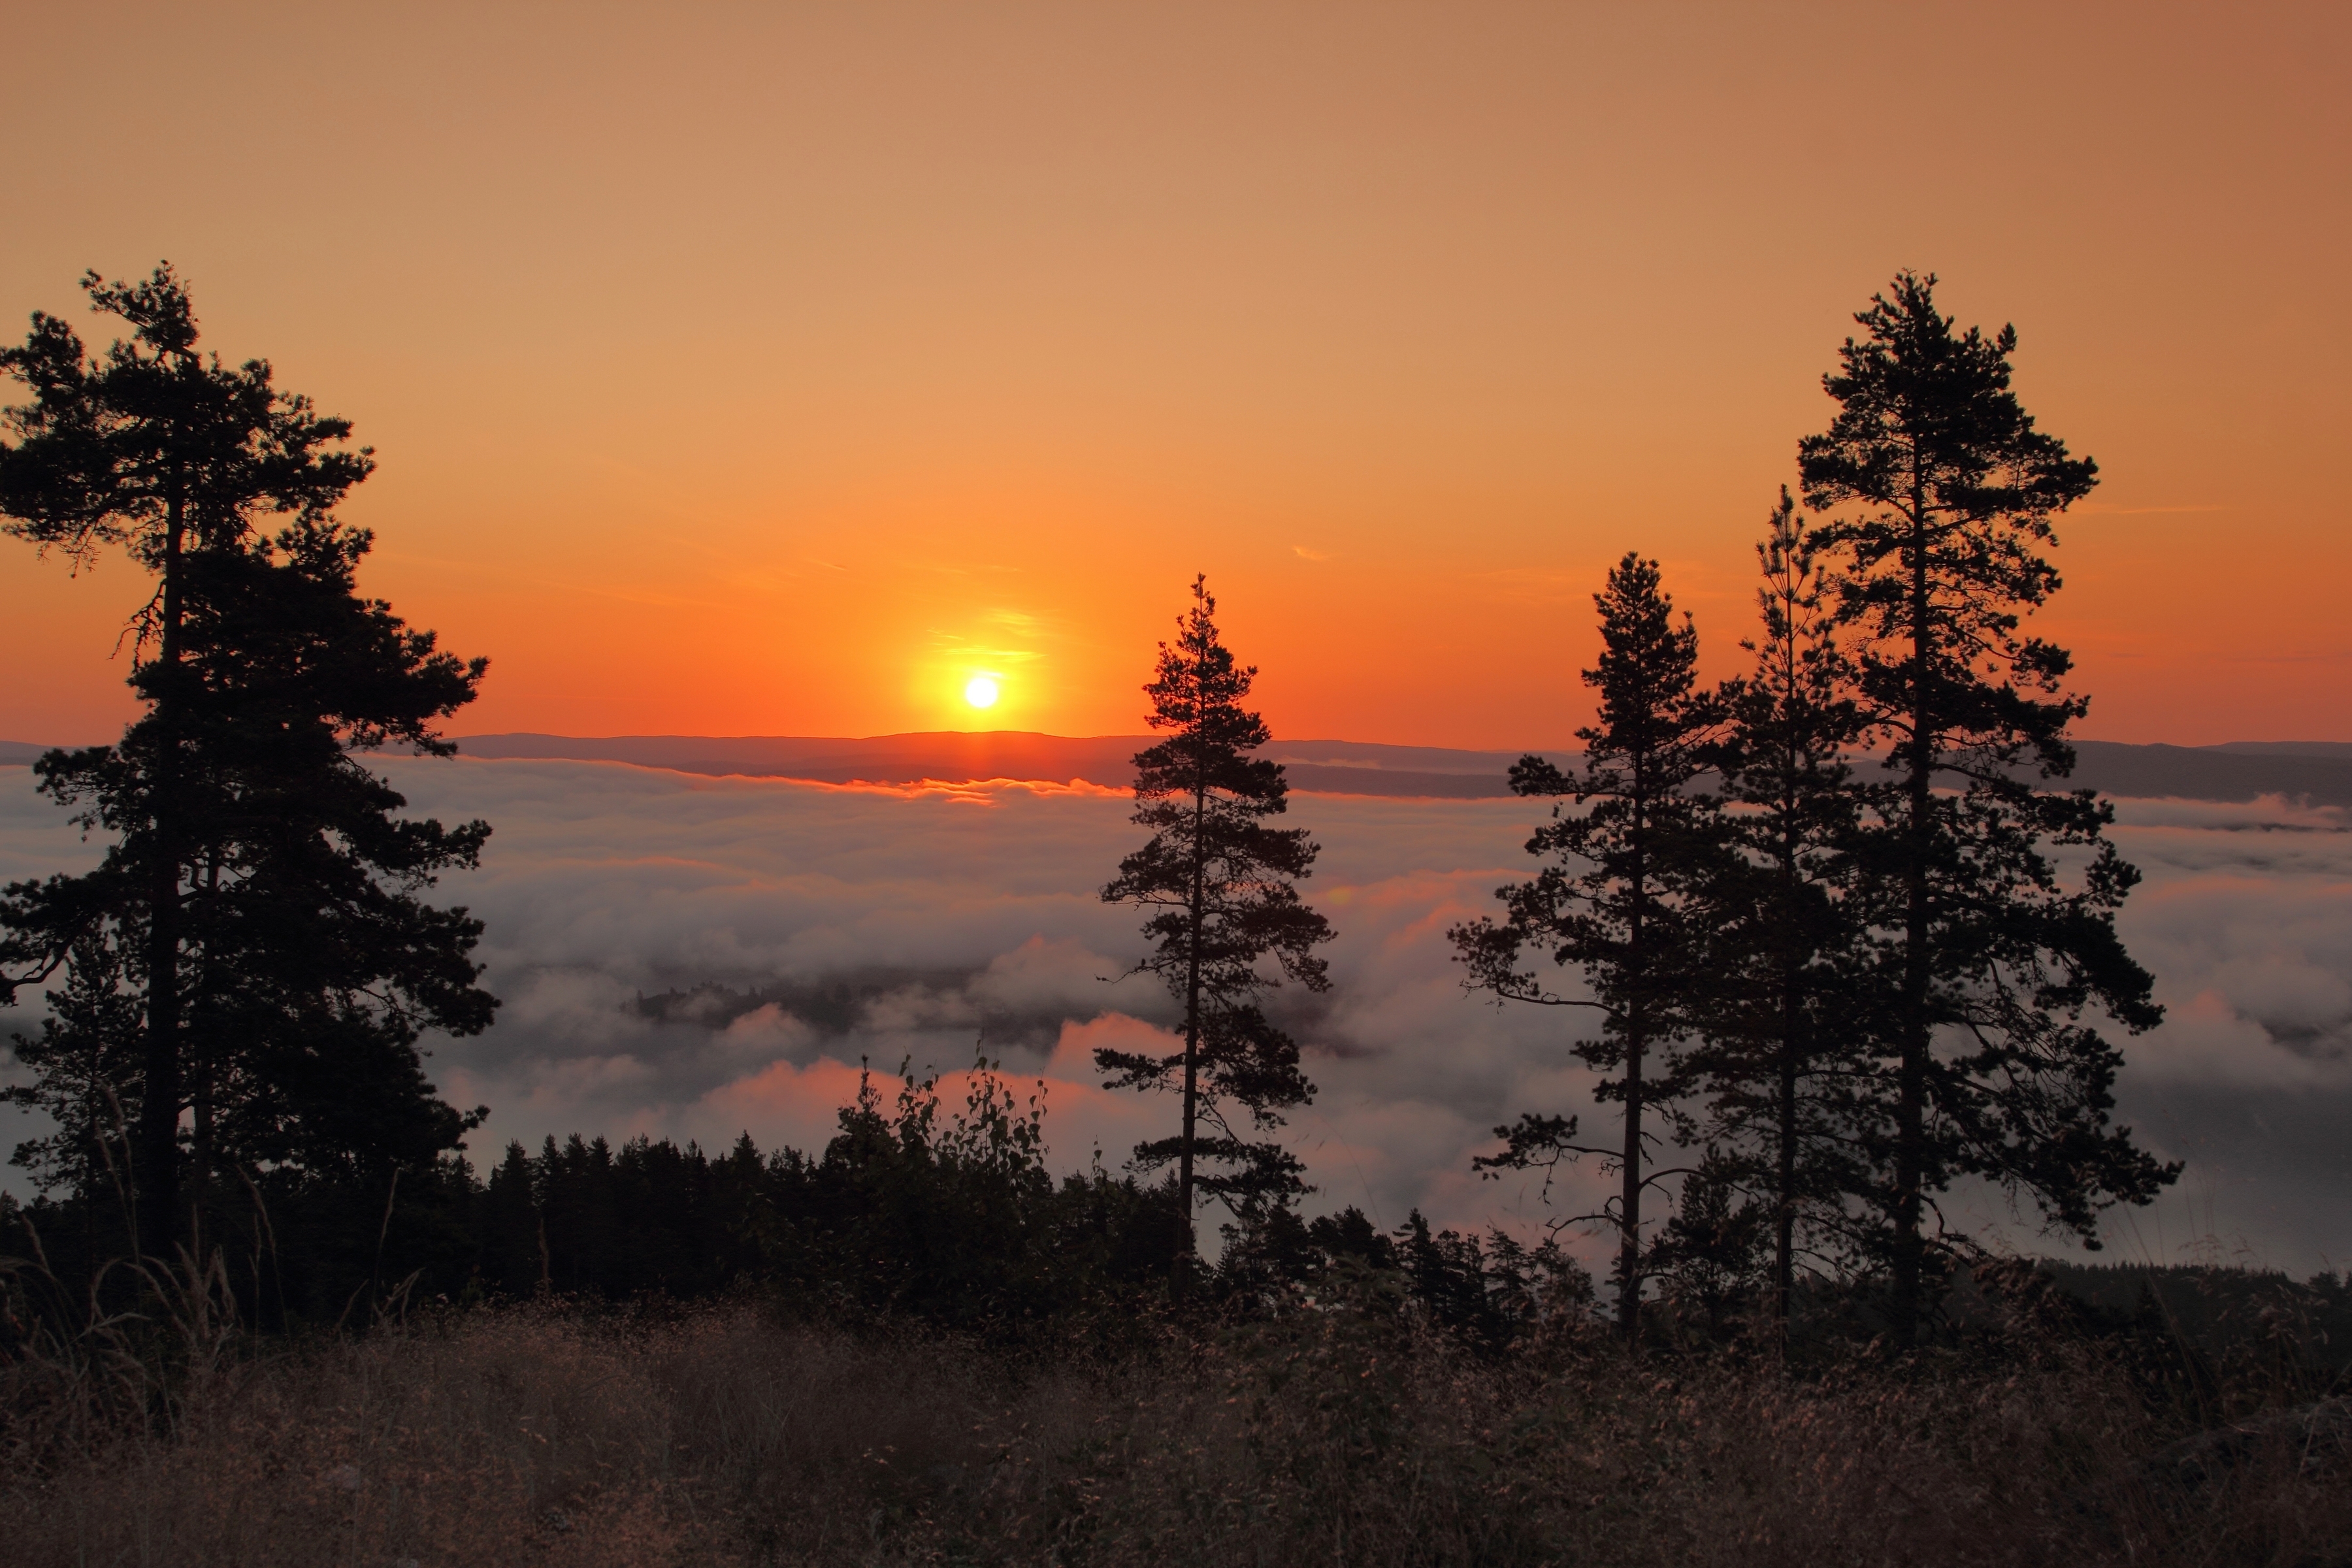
x=696, y=957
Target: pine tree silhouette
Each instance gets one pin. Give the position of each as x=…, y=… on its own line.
x=1988, y=957
x=1614, y=900
x=1220, y=883
x=260, y=898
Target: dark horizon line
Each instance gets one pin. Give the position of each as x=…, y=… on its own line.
x=2316, y=771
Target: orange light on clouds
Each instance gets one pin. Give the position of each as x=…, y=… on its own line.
x=779, y=371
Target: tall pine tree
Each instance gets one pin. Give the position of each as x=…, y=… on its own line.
x=1989, y=956
x=1220, y=883
x=1773, y=994
x=303, y=963
x=156, y=448
x=1614, y=900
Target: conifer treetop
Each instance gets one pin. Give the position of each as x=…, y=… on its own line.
x=110, y=442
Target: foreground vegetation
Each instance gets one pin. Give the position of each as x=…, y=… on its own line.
x=1349, y=1429
x=917, y=1347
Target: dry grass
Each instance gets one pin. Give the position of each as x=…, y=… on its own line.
x=528, y=1436
x=498, y=1438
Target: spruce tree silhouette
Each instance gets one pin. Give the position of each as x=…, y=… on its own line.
x=258, y=897
x=1615, y=899
x=1989, y=956
x=1220, y=883
x=1779, y=1034
x=310, y=962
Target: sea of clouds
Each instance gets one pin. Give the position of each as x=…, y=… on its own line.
x=698, y=957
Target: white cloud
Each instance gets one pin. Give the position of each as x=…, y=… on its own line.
x=919, y=923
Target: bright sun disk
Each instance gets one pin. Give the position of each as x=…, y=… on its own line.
x=980, y=691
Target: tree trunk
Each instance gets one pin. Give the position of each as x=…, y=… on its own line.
x=98, y=1130
x=200, y=1167
x=1628, y=1250
x=1192, y=1002
x=1784, y=1238
x=202, y=1051
x=1910, y=1127
x=156, y=1167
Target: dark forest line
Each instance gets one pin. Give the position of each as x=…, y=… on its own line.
x=948, y=1218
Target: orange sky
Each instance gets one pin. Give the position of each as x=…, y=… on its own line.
x=767, y=370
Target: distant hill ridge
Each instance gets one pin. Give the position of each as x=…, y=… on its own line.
x=1341, y=767
x=2320, y=771
x=2317, y=771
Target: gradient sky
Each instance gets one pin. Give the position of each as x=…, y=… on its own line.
x=767, y=370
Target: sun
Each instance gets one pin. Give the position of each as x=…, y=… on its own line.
x=980, y=691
